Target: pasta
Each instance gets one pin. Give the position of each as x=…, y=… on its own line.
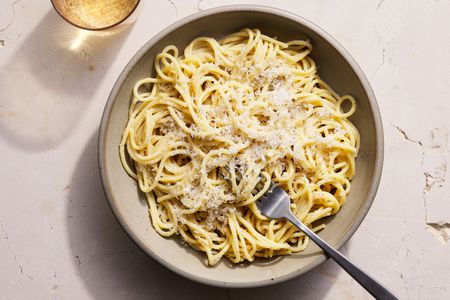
x=220, y=115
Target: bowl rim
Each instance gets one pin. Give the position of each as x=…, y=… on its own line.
x=379, y=147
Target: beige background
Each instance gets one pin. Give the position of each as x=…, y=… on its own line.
x=58, y=238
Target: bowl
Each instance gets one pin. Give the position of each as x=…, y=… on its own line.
x=336, y=67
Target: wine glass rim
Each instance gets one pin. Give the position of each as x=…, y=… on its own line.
x=92, y=28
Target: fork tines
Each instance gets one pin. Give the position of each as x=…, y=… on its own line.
x=226, y=174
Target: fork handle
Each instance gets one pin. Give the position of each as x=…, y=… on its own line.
x=370, y=284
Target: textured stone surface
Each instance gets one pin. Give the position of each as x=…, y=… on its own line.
x=58, y=238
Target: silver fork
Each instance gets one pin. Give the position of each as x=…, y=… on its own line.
x=275, y=204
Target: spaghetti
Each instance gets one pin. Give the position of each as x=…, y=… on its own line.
x=254, y=106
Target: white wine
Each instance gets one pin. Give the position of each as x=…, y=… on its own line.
x=95, y=14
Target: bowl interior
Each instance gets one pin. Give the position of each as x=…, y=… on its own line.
x=335, y=67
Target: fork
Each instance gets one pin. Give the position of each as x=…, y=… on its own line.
x=275, y=204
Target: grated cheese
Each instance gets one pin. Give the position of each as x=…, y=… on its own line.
x=266, y=141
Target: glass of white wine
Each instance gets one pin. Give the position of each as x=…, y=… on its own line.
x=97, y=15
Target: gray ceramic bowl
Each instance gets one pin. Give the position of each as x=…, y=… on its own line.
x=336, y=67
